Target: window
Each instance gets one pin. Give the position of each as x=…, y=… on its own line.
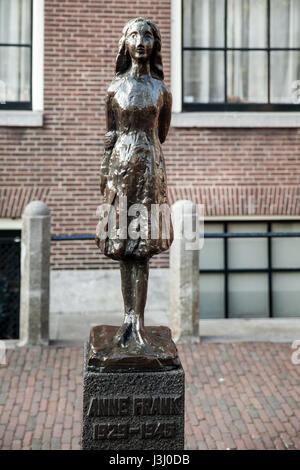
x=250, y=277
x=240, y=55
x=10, y=254
x=15, y=54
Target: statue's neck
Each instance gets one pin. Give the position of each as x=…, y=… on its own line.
x=140, y=68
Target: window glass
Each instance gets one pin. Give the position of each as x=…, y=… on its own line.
x=248, y=292
x=247, y=77
x=286, y=294
x=15, y=73
x=285, y=21
x=15, y=53
x=211, y=256
x=286, y=251
x=203, y=23
x=15, y=21
x=285, y=69
x=211, y=295
x=247, y=23
x=230, y=61
x=204, y=72
x=247, y=253
x=248, y=295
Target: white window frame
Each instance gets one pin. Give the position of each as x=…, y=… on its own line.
x=34, y=117
x=10, y=224
x=213, y=119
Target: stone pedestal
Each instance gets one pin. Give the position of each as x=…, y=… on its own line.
x=132, y=410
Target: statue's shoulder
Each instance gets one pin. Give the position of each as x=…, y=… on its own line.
x=166, y=92
x=115, y=84
x=161, y=87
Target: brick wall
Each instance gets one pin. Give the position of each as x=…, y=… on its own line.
x=232, y=171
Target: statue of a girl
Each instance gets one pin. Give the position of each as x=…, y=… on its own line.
x=138, y=113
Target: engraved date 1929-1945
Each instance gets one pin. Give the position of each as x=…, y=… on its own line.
x=146, y=430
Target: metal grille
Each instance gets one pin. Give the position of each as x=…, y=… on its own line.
x=10, y=248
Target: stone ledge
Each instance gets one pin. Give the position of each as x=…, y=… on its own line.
x=275, y=330
x=21, y=118
x=236, y=119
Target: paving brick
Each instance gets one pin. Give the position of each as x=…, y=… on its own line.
x=36, y=444
x=248, y=442
x=27, y=439
x=264, y=414
x=201, y=445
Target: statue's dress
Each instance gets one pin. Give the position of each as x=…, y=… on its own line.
x=135, y=168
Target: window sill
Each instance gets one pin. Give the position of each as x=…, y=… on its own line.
x=21, y=118
x=236, y=119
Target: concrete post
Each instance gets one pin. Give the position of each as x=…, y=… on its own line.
x=184, y=272
x=35, y=267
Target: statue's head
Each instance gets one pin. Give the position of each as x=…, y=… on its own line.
x=140, y=41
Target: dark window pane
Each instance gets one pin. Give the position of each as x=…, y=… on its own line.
x=203, y=76
x=203, y=23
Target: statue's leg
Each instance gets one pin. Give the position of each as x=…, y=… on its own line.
x=134, y=276
x=126, y=269
x=141, y=288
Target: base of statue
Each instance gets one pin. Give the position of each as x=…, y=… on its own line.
x=132, y=403
x=158, y=352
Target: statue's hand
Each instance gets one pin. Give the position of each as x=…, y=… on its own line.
x=110, y=139
x=109, y=142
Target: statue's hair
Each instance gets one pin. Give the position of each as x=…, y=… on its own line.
x=123, y=60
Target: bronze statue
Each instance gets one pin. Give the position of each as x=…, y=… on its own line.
x=138, y=113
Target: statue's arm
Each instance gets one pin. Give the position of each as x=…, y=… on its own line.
x=165, y=116
x=109, y=140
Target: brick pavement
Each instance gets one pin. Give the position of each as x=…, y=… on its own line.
x=238, y=396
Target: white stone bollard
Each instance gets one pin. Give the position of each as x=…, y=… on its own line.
x=184, y=272
x=35, y=275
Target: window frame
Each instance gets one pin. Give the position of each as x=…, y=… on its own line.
x=269, y=270
x=21, y=105
x=186, y=118
x=241, y=107
x=33, y=116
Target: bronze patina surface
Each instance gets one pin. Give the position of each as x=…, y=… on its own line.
x=106, y=355
x=138, y=114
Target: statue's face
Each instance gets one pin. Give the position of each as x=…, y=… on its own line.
x=140, y=41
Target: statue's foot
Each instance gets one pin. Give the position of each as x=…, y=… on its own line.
x=134, y=338
x=113, y=348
